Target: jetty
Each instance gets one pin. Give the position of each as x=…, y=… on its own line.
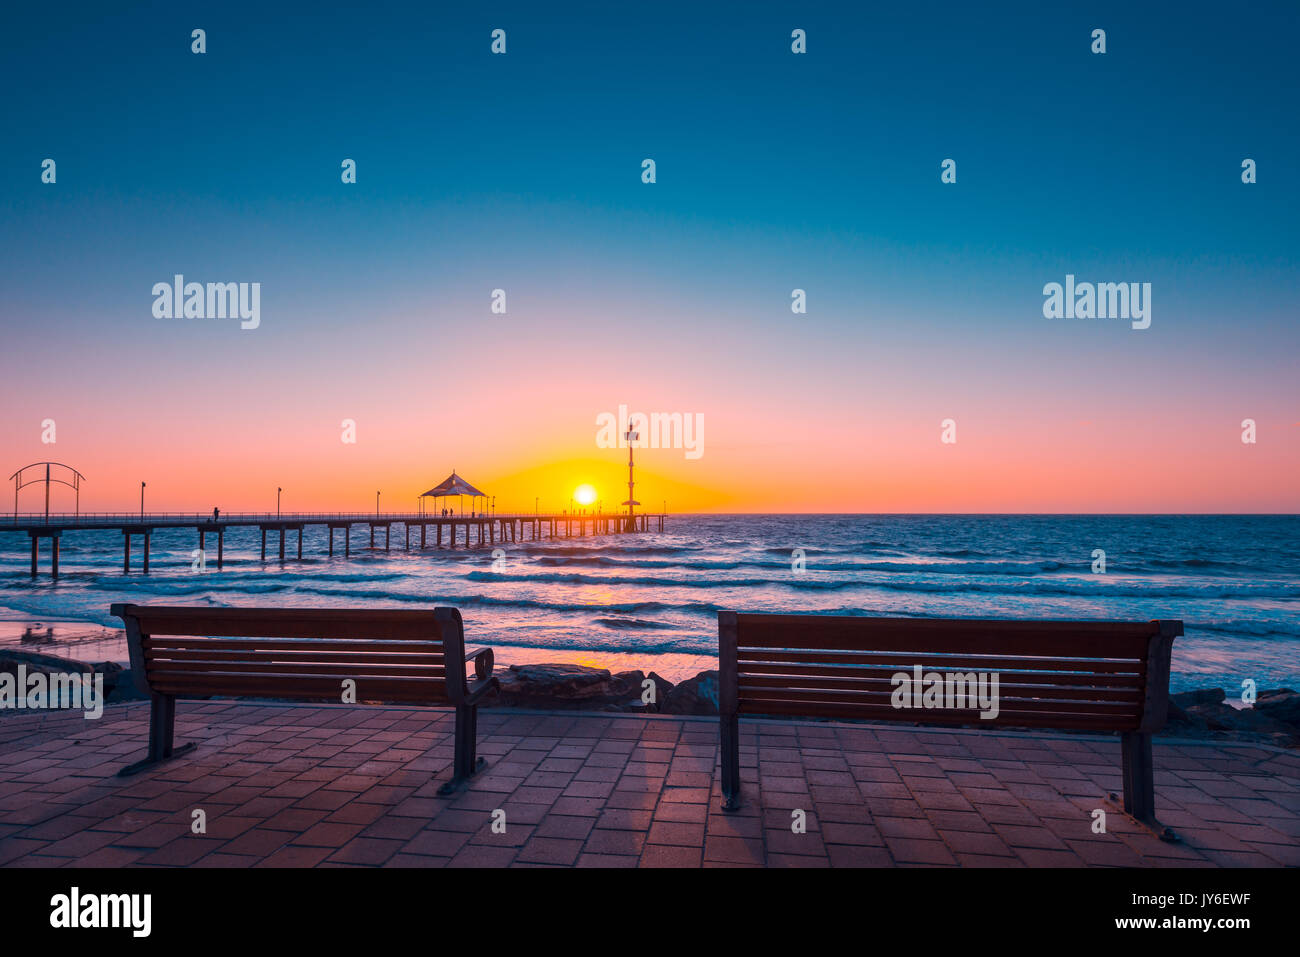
x=441, y=531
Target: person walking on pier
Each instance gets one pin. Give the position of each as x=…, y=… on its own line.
x=216, y=513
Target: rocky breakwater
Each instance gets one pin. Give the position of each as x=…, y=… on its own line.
x=582, y=688
x=37, y=679
x=1273, y=718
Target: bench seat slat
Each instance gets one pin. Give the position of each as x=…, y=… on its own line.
x=905, y=660
x=230, y=684
x=271, y=666
x=1041, y=676
x=1006, y=689
x=390, y=624
x=1020, y=719
x=308, y=653
x=849, y=697
x=154, y=644
x=950, y=636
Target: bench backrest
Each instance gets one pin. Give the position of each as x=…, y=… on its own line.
x=399, y=655
x=1095, y=675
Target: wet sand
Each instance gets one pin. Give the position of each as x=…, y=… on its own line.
x=75, y=640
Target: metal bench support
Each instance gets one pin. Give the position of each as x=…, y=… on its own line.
x=466, y=762
x=162, y=730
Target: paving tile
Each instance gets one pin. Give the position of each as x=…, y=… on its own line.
x=372, y=851
x=550, y=850
x=662, y=855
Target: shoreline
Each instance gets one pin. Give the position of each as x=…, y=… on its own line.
x=553, y=679
x=92, y=643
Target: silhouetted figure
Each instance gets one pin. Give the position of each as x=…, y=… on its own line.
x=216, y=513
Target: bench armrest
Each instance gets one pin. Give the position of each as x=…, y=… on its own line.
x=484, y=660
x=460, y=690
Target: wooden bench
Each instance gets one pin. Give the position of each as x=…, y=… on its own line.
x=399, y=656
x=1087, y=675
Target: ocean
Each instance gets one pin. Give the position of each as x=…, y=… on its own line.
x=1233, y=580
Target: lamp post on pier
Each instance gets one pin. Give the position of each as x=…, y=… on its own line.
x=631, y=503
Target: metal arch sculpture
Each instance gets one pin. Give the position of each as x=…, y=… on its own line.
x=48, y=479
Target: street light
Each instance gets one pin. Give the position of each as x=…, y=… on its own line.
x=278, y=490
x=142, y=501
x=376, y=505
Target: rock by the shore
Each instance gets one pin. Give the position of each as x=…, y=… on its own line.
x=1274, y=718
x=568, y=686
x=627, y=683
x=118, y=684
x=34, y=661
x=698, y=695
x=628, y=689
x=559, y=681
x=663, y=688
x=1281, y=704
x=1187, y=699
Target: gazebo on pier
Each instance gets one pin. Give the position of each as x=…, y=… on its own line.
x=457, y=486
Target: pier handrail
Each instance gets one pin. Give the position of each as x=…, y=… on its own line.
x=135, y=518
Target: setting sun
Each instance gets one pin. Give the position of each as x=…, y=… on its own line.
x=584, y=495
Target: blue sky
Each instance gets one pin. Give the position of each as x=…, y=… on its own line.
x=1061, y=154
x=775, y=171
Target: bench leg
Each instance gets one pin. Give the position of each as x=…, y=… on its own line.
x=466, y=762
x=730, y=729
x=1139, y=784
x=162, y=728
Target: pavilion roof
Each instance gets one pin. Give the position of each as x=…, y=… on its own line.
x=453, y=484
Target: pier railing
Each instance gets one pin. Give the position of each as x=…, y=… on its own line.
x=116, y=519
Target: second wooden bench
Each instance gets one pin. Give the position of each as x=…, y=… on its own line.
x=1107, y=676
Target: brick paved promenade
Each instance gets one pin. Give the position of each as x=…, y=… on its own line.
x=306, y=786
